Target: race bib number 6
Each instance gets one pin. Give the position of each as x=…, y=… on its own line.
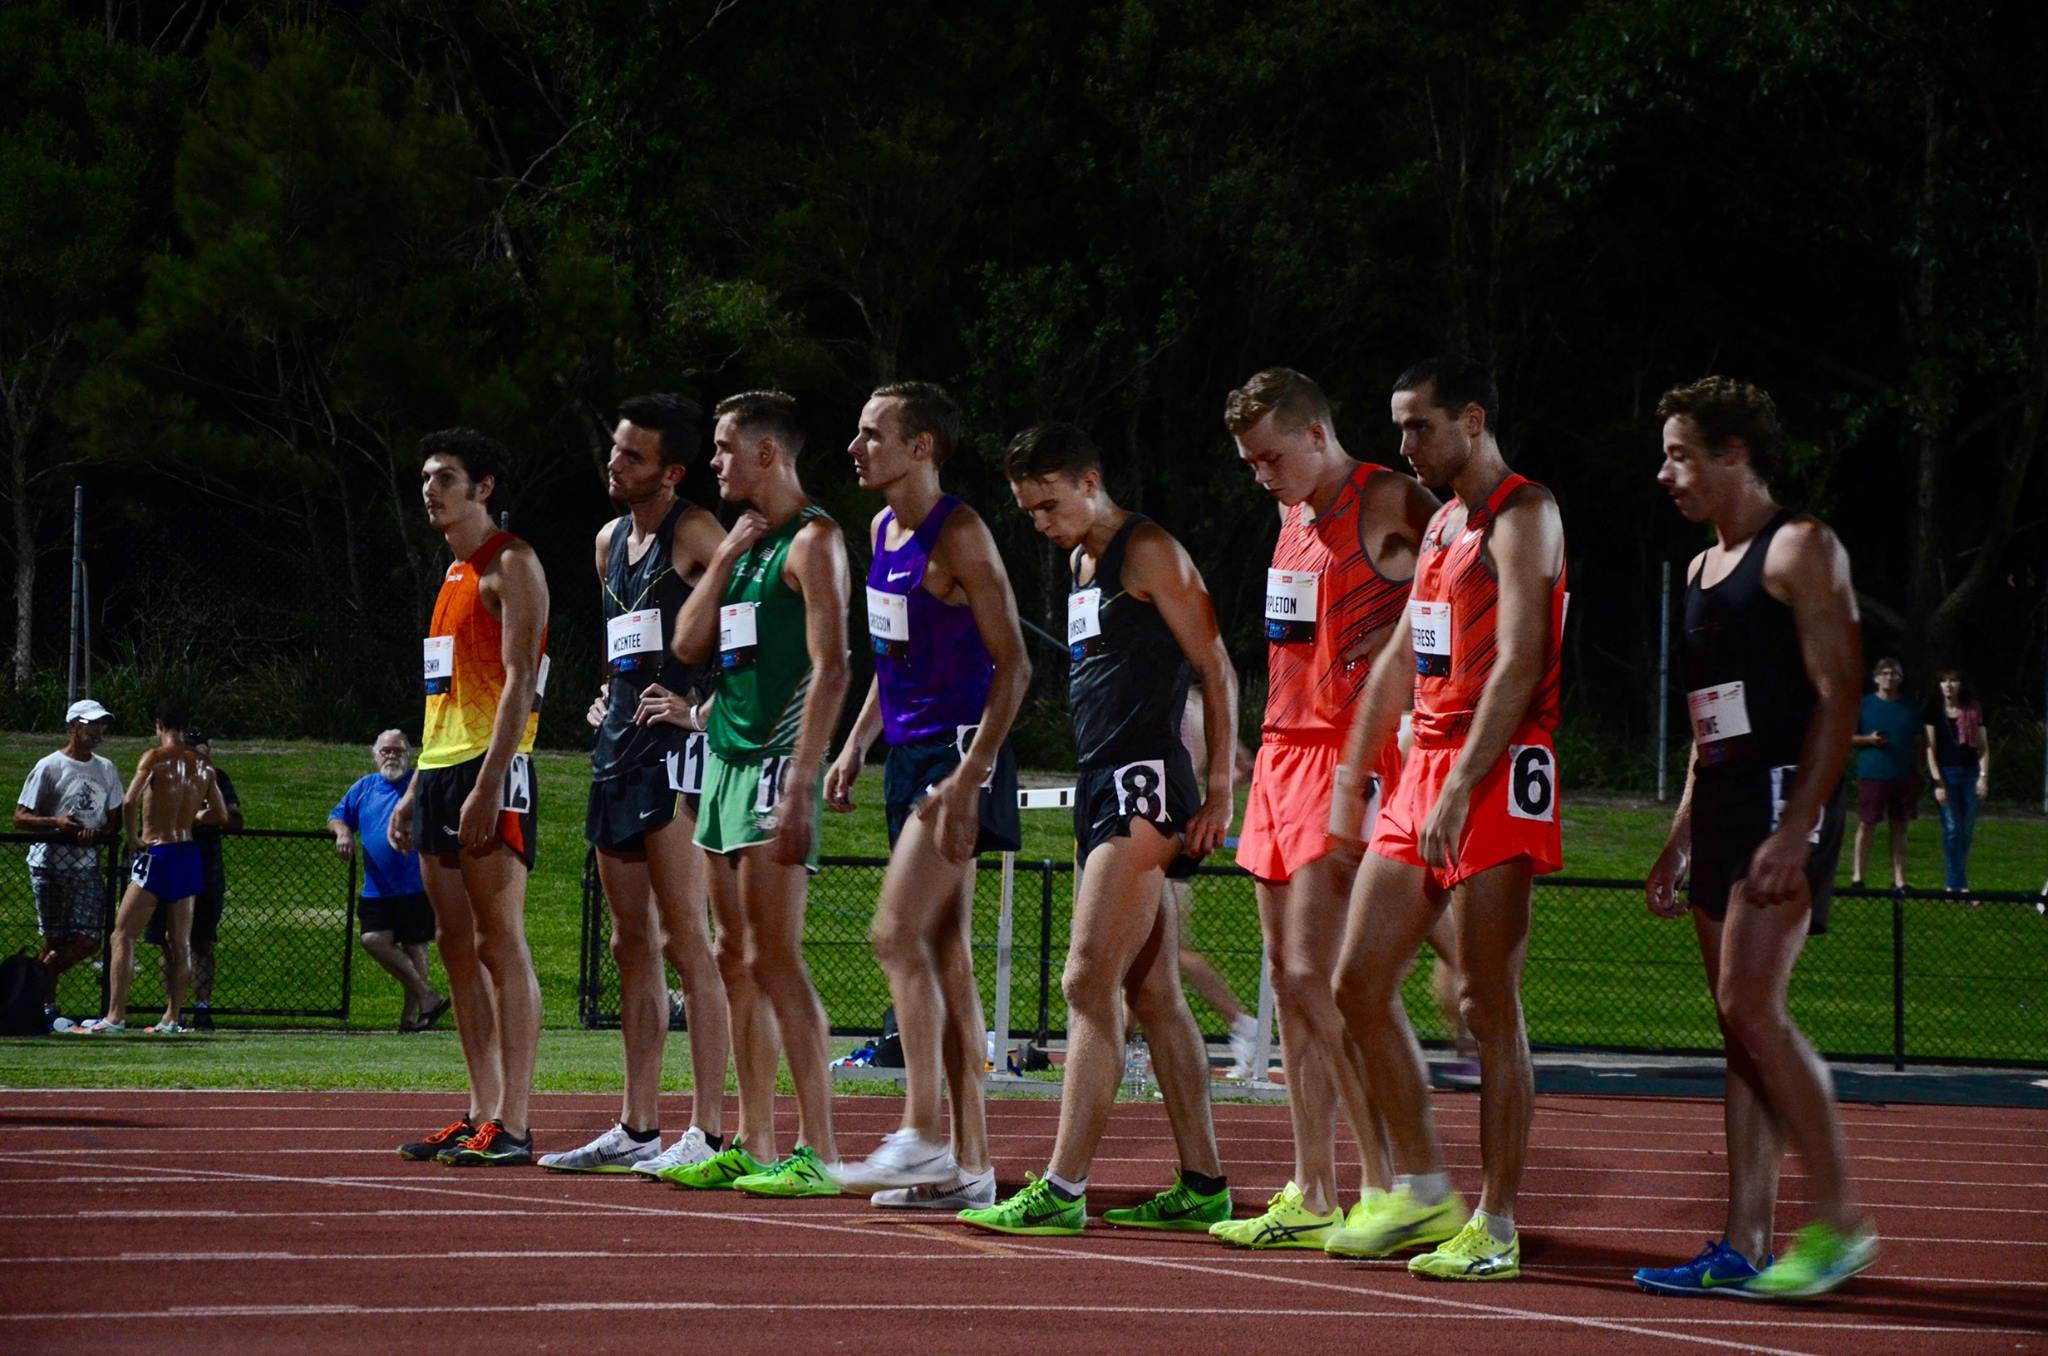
x=1532, y=782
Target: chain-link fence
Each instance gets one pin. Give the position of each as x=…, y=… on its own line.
x=1901, y=977
x=285, y=945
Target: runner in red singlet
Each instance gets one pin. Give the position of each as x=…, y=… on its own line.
x=1475, y=813
x=1348, y=538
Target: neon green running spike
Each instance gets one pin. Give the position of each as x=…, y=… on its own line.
x=1474, y=1255
x=1177, y=1207
x=1392, y=1221
x=1285, y=1223
x=716, y=1173
x=800, y=1174
x=1821, y=1257
x=1036, y=1210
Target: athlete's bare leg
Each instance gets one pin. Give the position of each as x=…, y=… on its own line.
x=965, y=1031
x=137, y=904
x=1492, y=914
x=1393, y=908
x=1195, y=969
x=1108, y=934
x=681, y=881
x=177, y=951
x=495, y=880
x=749, y=1019
x=1445, y=987
x=476, y=1008
x=1153, y=988
x=772, y=898
x=1759, y=947
x=1756, y=1142
x=643, y=984
x=919, y=904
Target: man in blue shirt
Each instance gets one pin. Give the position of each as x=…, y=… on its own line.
x=1887, y=779
x=397, y=920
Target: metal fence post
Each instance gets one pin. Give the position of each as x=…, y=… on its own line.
x=1898, y=982
x=1004, y=922
x=348, y=949
x=1044, y=952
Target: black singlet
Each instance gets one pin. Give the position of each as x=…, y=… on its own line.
x=1128, y=684
x=641, y=586
x=1736, y=632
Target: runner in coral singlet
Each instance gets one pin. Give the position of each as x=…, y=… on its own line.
x=1475, y=813
x=1348, y=538
x=469, y=809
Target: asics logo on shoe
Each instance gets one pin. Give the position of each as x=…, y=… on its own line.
x=1486, y=1266
x=1287, y=1233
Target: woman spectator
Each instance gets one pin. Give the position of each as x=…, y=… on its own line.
x=1959, y=759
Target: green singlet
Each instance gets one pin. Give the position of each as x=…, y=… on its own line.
x=764, y=664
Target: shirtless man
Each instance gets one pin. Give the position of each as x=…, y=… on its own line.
x=172, y=790
x=646, y=769
x=1474, y=815
x=1772, y=660
x=770, y=612
x=950, y=673
x=1139, y=620
x=469, y=810
x=1336, y=589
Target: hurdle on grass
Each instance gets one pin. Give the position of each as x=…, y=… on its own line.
x=1062, y=798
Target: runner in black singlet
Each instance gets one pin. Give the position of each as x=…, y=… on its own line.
x=1773, y=668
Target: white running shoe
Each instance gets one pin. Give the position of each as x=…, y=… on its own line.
x=1244, y=1035
x=960, y=1193
x=690, y=1147
x=903, y=1160
x=612, y=1151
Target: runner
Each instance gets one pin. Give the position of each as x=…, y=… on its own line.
x=1335, y=592
x=649, y=748
x=172, y=790
x=950, y=673
x=771, y=610
x=1773, y=665
x=1475, y=813
x=470, y=809
x=1136, y=600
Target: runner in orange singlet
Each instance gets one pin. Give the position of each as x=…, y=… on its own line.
x=1475, y=813
x=469, y=809
x=1348, y=538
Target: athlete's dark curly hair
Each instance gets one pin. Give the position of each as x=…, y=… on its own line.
x=481, y=455
x=1725, y=408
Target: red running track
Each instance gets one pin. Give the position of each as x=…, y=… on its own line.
x=217, y=1221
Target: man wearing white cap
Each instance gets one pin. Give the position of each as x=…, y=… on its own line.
x=75, y=794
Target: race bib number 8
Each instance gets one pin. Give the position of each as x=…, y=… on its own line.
x=633, y=640
x=686, y=766
x=1141, y=790
x=1532, y=782
x=1429, y=624
x=1084, y=623
x=438, y=663
x=1290, y=606
x=889, y=623
x=739, y=636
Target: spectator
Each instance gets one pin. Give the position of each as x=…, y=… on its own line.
x=397, y=920
x=1887, y=779
x=74, y=794
x=206, y=907
x=1959, y=760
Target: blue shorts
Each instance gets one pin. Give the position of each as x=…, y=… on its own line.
x=170, y=871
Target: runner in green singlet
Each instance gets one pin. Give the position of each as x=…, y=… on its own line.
x=770, y=619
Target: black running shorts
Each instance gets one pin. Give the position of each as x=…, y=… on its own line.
x=1160, y=791
x=913, y=770
x=438, y=793
x=1733, y=811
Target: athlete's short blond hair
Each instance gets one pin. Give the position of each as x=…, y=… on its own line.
x=1292, y=399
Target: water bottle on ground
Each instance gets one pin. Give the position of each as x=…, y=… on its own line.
x=1137, y=1069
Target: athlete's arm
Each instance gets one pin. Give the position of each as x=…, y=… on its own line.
x=818, y=571
x=696, y=638
x=845, y=769
x=966, y=551
x=521, y=590
x=1526, y=547
x=1660, y=887
x=131, y=803
x=1388, y=690
x=1808, y=570
x=1156, y=568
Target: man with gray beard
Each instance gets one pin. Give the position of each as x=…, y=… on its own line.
x=397, y=920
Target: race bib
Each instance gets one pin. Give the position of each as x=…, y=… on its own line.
x=1291, y=606
x=1781, y=783
x=519, y=785
x=686, y=765
x=1719, y=714
x=1532, y=782
x=768, y=790
x=889, y=623
x=739, y=639
x=540, y=680
x=1141, y=790
x=1429, y=624
x=963, y=740
x=1084, y=623
x=633, y=640
x=438, y=663
x=1361, y=831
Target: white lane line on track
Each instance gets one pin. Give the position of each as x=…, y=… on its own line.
x=1634, y=1327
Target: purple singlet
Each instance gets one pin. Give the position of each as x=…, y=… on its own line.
x=929, y=658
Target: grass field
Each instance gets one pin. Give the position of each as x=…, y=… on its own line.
x=1601, y=971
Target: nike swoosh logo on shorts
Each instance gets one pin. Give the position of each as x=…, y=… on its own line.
x=649, y=814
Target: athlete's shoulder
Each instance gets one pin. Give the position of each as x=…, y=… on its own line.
x=875, y=527
x=604, y=537
x=1804, y=549
x=962, y=526
x=1529, y=496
